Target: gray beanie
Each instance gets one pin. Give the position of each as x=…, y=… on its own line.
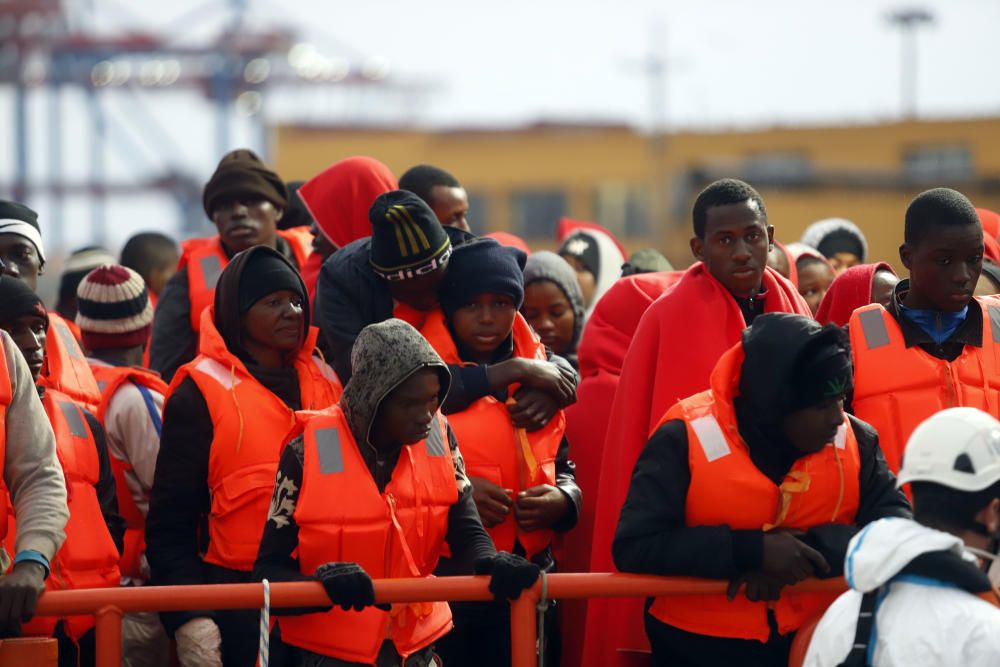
x=547, y=265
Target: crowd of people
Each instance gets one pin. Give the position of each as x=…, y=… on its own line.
x=344, y=383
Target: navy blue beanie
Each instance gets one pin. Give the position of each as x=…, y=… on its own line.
x=479, y=267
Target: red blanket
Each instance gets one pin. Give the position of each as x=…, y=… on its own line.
x=678, y=341
x=601, y=352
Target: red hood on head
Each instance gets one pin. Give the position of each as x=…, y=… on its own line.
x=991, y=222
x=567, y=226
x=509, y=240
x=339, y=197
x=849, y=291
x=612, y=325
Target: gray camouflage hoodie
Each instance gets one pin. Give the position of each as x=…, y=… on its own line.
x=385, y=355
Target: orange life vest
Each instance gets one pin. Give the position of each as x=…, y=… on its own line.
x=66, y=369
x=205, y=259
x=728, y=489
x=109, y=379
x=492, y=447
x=251, y=426
x=896, y=387
x=400, y=532
x=88, y=558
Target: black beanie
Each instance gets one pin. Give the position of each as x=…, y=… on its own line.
x=841, y=240
x=582, y=246
x=823, y=371
x=240, y=174
x=264, y=274
x=18, y=219
x=407, y=239
x=479, y=267
x=17, y=300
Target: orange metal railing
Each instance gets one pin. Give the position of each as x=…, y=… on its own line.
x=110, y=604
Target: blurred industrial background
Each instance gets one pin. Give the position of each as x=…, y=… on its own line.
x=114, y=113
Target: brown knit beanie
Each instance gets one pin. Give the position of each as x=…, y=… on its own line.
x=240, y=174
x=114, y=308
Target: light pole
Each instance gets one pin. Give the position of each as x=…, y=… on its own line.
x=908, y=21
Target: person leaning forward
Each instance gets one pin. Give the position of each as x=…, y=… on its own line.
x=761, y=480
x=387, y=448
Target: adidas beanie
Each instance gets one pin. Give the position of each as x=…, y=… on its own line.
x=114, y=308
x=407, y=240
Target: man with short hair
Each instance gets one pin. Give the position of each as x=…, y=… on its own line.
x=919, y=593
x=153, y=256
x=936, y=345
x=442, y=192
x=675, y=347
x=22, y=256
x=244, y=199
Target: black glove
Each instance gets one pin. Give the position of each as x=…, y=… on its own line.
x=509, y=574
x=347, y=584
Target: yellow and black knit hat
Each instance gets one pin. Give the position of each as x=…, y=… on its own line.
x=407, y=239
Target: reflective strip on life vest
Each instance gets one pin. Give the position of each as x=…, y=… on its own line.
x=711, y=438
x=331, y=458
x=433, y=444
x=218, y=372
x=211, y=269
x=74, y=420
x=994, y=312
x=874, y=329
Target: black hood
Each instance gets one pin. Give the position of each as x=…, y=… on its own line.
x=227, y=298
x=773, y=347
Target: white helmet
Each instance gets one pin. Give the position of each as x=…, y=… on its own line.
x=958, y=448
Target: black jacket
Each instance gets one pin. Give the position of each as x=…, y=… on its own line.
x=180, y=502
x=350, y=296
x=652, y=536
x=173, y=342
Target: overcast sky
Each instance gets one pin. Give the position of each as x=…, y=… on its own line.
x=732, y=63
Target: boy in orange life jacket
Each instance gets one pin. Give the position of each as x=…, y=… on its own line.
x=31, y=474
x=224, y=425
x=114, y=317
x=771, y=435
x=329, y=521
x=24, y=258
x=89, y=556
x=523, y=481
x=244, y=199
x=935, y=346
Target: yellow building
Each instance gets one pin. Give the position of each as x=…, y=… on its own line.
x=641, y=187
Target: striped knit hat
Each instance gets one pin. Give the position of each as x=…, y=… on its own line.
x=114, y=308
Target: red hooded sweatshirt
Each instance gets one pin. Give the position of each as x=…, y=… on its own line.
x=601, y=352
x=676, y=345
x=851, y=290
x=338, y=198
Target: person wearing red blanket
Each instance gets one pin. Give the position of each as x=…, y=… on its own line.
x=678, y=341
x=856, y=287
x=601, y=354
x=338, y=199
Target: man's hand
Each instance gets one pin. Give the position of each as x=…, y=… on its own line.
x=532, y=408
x=540, y=507
x=492, y=502
x=19, y=593
x=760, y=587
x=789, y=560
x=551, y=379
